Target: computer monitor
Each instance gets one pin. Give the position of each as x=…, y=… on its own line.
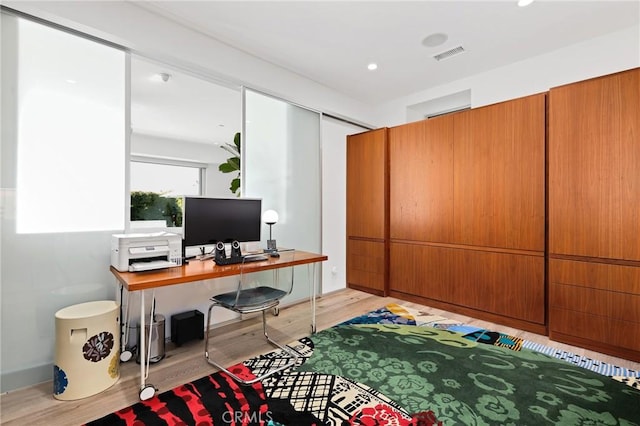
x=207, y=221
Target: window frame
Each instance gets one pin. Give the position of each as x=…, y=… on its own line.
x=202, y=174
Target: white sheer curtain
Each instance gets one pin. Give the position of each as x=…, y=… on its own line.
x=281, y=163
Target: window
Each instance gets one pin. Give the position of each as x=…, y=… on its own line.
x=70, y=132
x=155, y=192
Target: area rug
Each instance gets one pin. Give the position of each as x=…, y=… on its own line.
x=394, y=366
x=398, y=314
x=464, y=382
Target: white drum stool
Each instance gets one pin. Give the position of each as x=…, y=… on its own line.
x=87, y=355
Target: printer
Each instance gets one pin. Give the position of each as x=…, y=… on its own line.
x=145, y=252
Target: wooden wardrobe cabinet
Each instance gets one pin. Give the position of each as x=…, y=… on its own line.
x=367, y=207
x=467, y=212
x=594, y=213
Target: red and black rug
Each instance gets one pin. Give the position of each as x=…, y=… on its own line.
x=290, y=398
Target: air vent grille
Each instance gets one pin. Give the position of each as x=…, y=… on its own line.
x=449, y=53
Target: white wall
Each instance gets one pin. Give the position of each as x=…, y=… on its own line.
x=334, y=202
x=174, y=149
x=607, y=54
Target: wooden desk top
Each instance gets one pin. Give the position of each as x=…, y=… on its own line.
x=197, y=270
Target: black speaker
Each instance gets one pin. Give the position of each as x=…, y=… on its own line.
x=187, y=326
x=235, y=250
x=220, y=253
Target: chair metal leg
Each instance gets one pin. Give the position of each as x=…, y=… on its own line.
x=206, y=331
x=292, y=357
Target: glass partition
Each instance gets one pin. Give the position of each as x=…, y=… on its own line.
x=281, y=165
x=63, y=179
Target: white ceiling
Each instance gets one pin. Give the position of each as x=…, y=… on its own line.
x=332, y=42
x=185, y=107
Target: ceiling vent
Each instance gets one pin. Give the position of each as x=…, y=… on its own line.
x=449, y=53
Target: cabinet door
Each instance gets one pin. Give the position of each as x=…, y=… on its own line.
x=505, y=284
x=421, y=180
x=499, y=175
x=366, y=265
x=594, y=167
x=596, y=304
x=367, y=184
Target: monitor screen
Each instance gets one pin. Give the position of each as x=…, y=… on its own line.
x=209, y=220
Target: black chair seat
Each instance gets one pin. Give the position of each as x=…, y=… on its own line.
x=250, y=298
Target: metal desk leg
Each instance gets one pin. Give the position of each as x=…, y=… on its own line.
x=125, y=354
x=146, y=390
x=312, y=295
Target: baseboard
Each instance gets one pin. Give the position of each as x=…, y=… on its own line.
x=15, y=380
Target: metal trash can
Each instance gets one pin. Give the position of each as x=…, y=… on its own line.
x=156, y=352
x=87, y=352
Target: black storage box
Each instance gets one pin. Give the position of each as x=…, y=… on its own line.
x=187, y=326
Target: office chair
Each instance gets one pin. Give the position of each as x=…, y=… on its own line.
x=252, y=297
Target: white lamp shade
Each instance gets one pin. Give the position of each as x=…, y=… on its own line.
x=270, y=217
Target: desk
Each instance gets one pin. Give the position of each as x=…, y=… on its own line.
x=197, y=270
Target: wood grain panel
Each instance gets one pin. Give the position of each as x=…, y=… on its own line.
x=580, y=299
x=501, y=283
x=607, y=335
x=499, y=175
x=366, y=265
x=604, y=303
x=421, y=270
x=625, y=307
x=618, y=278
x=594, y=173
x=367, y=184
x=421, y=180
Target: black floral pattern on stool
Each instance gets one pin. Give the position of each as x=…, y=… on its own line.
x=98, y=347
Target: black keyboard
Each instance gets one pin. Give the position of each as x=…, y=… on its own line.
x=244, y=259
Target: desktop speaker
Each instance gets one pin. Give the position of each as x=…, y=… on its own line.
x=220, y=253
x=235, y=250
x=187, y=326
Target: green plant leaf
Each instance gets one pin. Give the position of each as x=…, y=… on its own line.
x=227, y=168
x=233, y=163
x=235, y=186
x=236, y=141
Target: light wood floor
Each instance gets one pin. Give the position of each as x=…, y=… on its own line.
x=35, y=405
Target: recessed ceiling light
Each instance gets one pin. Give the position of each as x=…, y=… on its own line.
x=523, y=3
x=435, y=39
x=71, y=81
x=372, y=66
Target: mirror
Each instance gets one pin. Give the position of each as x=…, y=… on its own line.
x=179, y=123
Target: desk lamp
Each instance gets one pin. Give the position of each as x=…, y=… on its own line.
x=270, y=217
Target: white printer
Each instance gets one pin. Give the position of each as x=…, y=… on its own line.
x=145, y=252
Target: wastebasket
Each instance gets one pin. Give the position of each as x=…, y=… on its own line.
x=155, y=351
x=87, y=349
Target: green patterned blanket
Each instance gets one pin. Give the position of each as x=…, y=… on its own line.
x=467, y=383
